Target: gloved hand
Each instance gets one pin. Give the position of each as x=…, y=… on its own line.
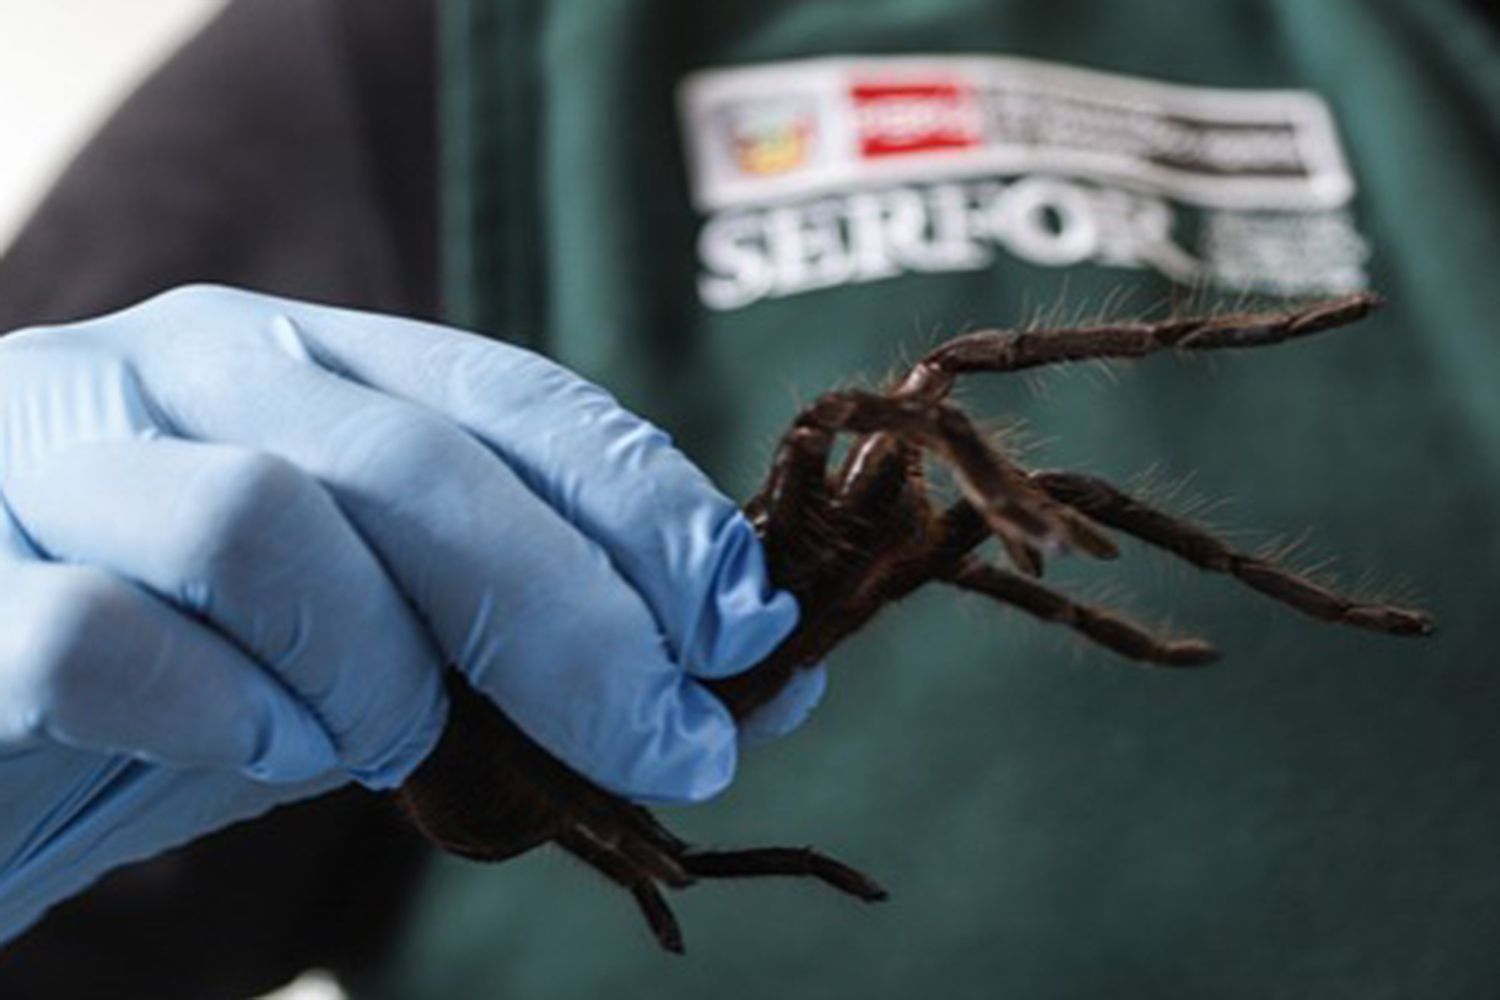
x=241, y=536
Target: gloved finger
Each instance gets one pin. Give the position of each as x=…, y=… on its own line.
x=788, y=710
x=257, y=548
x=532, y=610
x=111, y=810
x=91, y=661
x=684, y=546
x=14, y=545
x=58, y=390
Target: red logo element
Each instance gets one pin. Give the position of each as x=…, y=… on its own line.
x=916, y=117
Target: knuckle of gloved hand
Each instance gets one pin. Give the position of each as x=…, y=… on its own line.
x=36, y=355
x=505, y=379
x=197, y=299
x=75, y=610
x=191, y=299
x=404, y=448
x=235, y=512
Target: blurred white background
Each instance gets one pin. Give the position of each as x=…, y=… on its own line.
x=64, y=64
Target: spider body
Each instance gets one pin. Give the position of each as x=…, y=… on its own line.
x=851, y=540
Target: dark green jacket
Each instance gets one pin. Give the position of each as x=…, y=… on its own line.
x=1319, y=816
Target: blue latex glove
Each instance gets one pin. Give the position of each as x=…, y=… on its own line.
x=241, y=536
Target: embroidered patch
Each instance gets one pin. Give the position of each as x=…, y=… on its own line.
x=825, y=172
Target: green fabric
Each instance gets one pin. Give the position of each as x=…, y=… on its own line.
x=1318, y=816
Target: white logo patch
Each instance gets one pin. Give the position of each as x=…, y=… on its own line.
x=825, y=172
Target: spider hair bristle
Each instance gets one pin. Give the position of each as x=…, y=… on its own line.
x=1400, y=590
x=1283, y=550
x=1107, y=370
x=1038, y=384
x=1014, y=435
x=1078, y=313
x=1116, y=302
x=1154, y=485
x=1300, y=555
x=1176, y=495
x=1052, y=316
x=1370, y=587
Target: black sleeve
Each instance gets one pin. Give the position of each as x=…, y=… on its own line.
x=290, y=148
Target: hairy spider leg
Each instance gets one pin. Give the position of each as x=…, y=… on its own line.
x=761, y=862
x=1108, y=504
x=881, y=487
x=793, y=511
x=811, y=522
x=947, y=538
x=837, y=601
x=493, y=769
x=932, y=378
x=1101, y=625
x=483, y=811
x=1020, y=515
x=798, y=862
x=618, y=869
x=819, y=544
x=612, y=823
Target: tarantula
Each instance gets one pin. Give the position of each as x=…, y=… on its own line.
x=850, y=541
